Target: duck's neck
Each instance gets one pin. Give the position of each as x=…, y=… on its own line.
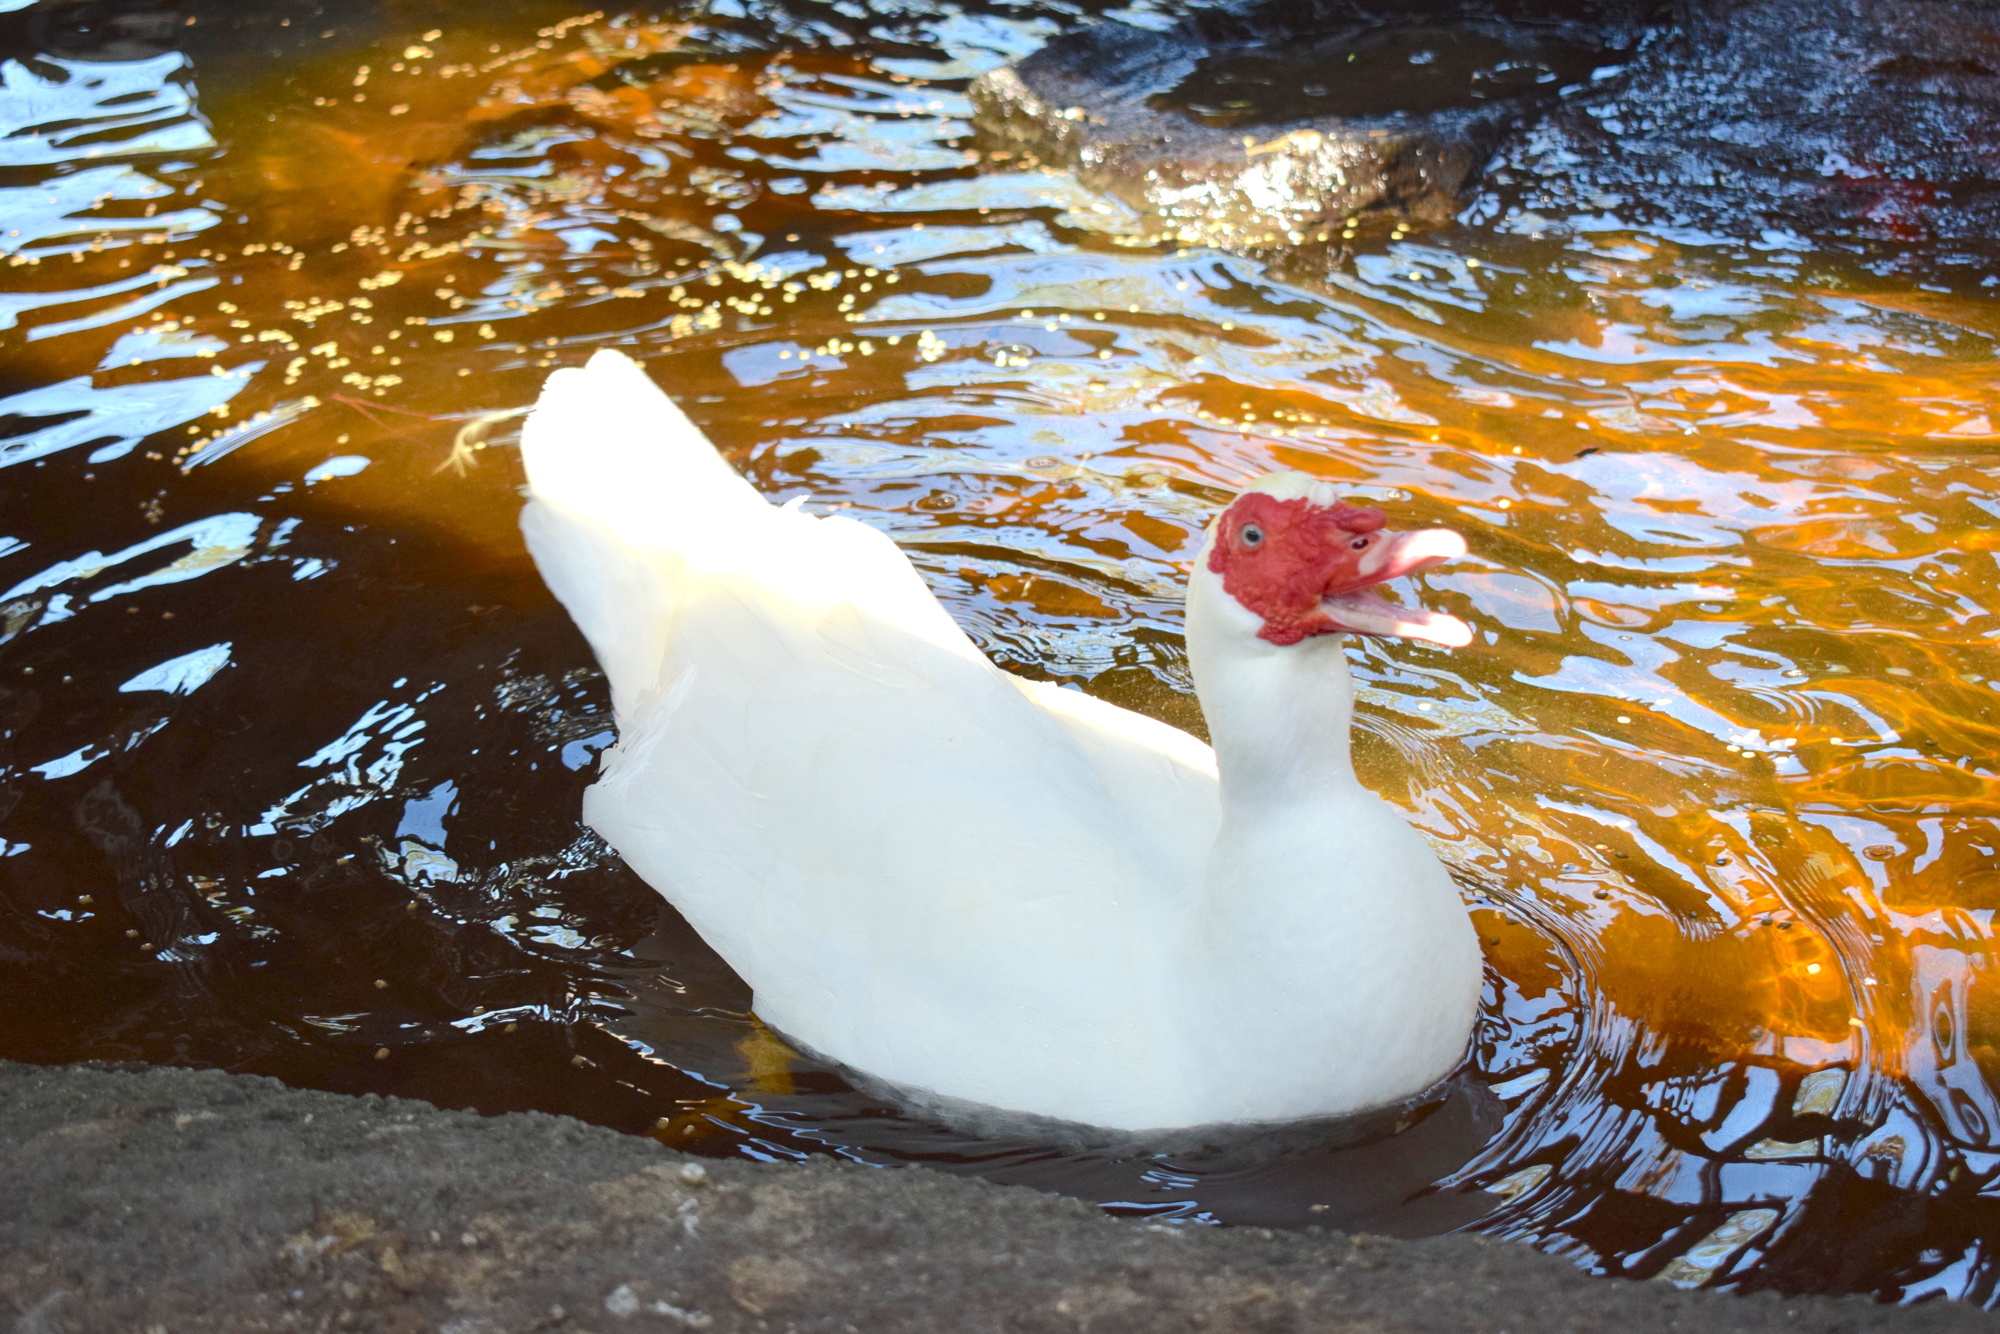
x=1326, y=927
x=1278, y=717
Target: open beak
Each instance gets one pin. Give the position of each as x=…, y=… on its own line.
x=1362, y=611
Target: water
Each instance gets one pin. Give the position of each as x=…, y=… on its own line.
x=1410, y=68
x=295, y=740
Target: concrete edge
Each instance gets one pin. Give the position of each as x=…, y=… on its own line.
x=166, y=1200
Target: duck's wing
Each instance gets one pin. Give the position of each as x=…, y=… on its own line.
x=908, y=854
x=1160, y=773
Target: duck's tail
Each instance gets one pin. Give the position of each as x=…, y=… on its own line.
x=606, y=442
x=625, y=492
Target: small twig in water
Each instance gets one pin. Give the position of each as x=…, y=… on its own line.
x=365, y=409
x=471, y=438
x=366, y=406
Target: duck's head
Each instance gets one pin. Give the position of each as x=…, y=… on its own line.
x=1303, y=563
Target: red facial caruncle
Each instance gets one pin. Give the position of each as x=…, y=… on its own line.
x=1307, y=568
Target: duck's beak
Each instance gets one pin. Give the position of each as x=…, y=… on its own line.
x=1358, y=609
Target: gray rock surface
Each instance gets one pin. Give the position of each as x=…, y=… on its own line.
x=150, y=1199
x=1876, y=118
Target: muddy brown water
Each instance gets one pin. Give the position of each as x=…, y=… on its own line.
x=294, y=740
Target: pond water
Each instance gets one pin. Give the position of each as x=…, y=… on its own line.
x=295, y=740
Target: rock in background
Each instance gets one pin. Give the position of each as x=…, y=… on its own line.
x=1872, y=119
x=1287, y=123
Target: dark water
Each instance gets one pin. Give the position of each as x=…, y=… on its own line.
x=294, y=740
x=1384, y=70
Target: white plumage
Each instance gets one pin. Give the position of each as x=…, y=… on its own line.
x=962, y=882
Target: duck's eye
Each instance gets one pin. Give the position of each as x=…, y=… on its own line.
x=1250, y=535
x=1359, y=544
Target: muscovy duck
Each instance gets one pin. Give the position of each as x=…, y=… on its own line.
x=997, y=890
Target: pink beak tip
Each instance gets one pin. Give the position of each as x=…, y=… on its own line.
x=1433, y=545
x=1449, y=632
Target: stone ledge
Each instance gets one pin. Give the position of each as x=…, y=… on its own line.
x=172, y=1200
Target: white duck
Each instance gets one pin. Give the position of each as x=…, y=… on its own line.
x=989, y=888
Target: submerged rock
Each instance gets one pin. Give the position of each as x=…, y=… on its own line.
x=1289, y=122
